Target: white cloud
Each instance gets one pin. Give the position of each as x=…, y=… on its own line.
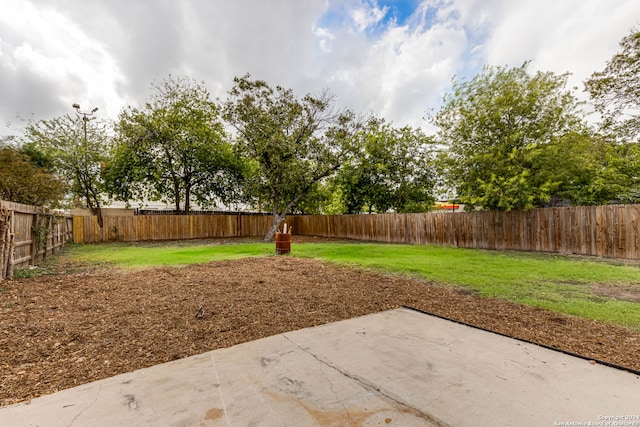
x=406, y=69
x=560, y=36
x=367, y=14
x=324, y=38
x=106, y=54
x=49, y=62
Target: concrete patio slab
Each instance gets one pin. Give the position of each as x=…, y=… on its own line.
x=396, y=368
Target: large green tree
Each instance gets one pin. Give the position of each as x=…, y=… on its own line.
x=591, y=169
x=616, y=91
x=392, y=169
x=498, y=130
x=174, y=149
x=291, y=144
x=77, y=148
x=24, y=180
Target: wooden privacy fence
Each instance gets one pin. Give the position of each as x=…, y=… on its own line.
x=28, y=234
x=608, y=231
x=168, y=227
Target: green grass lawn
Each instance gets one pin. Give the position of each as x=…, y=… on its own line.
x=146, y=256
x=560, y=283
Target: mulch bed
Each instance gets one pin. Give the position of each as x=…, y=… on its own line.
x=61, y=331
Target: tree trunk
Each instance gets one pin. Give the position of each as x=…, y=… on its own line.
x=94, y=204
x=98, y=211
x=279, y=217
x=92, y=200
x=177, y=202
x=277, y=220
x=176, y=195
x=187, y=202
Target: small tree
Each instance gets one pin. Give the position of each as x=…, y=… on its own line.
x=77, y=149
x=289, y=143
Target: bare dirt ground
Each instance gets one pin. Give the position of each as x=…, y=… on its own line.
x=64, y=330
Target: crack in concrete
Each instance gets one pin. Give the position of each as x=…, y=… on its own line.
x=334, y=392
x=89, y=406
x=371, y=387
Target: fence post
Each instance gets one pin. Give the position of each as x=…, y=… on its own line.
x=12, y=241
x=34, y=239
x=5, y=218
x=7, y=240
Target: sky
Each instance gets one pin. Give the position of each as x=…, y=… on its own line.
x=392, y=58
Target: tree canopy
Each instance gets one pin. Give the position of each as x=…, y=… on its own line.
x=289, y=143
x=173, y=148
x=77, y=148
x=616, y=91
x=392, y=169
x=498, y=130
x=24, y=179
x=591, y=169
x=507, y=139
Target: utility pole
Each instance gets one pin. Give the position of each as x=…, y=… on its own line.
x=85, y=118
x=94, y=204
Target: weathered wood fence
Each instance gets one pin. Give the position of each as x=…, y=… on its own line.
x=608, y=231
x=31, y=233
x=168, y=227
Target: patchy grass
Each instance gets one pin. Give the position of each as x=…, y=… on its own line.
x=555, y=282
x=136, y=256
x=50, y=266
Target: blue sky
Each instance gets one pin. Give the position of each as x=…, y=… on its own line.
x=381, y=14
x=392, y=58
